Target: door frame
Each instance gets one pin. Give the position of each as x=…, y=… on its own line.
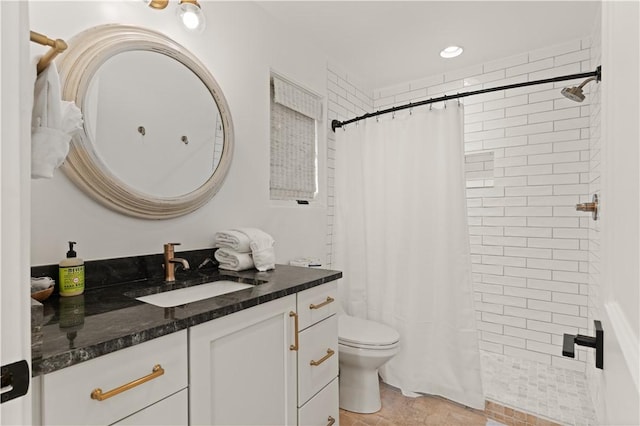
x=16, y=99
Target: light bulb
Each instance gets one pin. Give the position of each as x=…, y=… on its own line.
x=451, y=52
x=191, y=16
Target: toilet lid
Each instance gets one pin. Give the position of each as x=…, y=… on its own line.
x=360, y=331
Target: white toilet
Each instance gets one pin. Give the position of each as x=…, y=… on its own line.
x=363, y=346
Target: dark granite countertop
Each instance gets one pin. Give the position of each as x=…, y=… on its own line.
x=109, y=318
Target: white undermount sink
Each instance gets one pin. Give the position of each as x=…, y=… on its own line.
x=185, y=295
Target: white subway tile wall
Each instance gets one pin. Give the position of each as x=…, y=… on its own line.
x=532, y=253
x=345, y=101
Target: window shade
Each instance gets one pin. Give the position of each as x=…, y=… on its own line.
x=297, y=99
x=293, y=142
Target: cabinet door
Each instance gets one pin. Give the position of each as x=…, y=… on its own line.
x=170, y=411
x=242, y=371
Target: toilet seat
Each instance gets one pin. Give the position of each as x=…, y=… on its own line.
x=360, y=333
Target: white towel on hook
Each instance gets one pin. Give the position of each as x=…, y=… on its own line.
x=52, y=123
x=232, y=260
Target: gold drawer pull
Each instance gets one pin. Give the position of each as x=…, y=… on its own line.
x=156, y=372
x=329, y=354
x=323, y=304
x=331, y=421
x=294, y=347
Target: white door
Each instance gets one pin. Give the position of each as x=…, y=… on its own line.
x=16, y=94
x=615, y=388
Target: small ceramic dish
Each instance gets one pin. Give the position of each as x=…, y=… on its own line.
x=42, y=295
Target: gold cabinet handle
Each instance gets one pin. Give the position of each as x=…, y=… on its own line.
x=331, y=421
x=329, y=354
x=323, y=304
x=294, y=347
x=156, y=372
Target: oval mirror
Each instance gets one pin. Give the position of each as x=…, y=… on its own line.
x=157, y=139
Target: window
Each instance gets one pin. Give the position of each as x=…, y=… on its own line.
x=294, y=115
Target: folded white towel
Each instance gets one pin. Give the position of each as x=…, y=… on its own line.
x=41, y=283
x=234, y=240
x=232, y=260
x=52, y=123
x=264, y=257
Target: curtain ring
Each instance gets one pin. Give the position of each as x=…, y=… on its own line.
x=458, y=98
x=430, y=104
x=445, y=104
x=393, y=115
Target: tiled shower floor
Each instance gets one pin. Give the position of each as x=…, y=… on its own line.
x=555, y=393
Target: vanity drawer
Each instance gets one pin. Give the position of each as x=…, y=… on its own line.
x=317, y=358
x=317, y=303
x=323, y=409
x=170, y=411
x=68, y=391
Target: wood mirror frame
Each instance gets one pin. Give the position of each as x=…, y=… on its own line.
x=86, y=53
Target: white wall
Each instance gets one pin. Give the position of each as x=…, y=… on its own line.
x=529, y=245
x=239, y=46
x=614, y=274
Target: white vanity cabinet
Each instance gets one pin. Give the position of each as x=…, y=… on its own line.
x=272, y=364
x=318, y=356
x=144, y=381
x=242, y=368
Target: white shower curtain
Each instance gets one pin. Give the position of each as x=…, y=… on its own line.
x=402, y=242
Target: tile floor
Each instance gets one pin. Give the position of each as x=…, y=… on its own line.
x=544, y=390
x=424, y=410
x=548, y=392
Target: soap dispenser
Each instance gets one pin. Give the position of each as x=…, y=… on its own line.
x=71, y=273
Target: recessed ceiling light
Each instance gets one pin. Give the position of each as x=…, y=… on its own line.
x=451, y=52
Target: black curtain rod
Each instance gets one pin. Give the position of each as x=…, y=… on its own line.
x=597, y=73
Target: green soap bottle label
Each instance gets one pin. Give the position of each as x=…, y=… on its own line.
x=71, y=279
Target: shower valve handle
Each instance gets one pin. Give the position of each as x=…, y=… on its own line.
x=570, y=340
x=589, y=207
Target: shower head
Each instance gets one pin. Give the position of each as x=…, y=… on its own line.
x=575, y=93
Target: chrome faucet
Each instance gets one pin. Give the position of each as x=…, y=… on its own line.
x=170, y=261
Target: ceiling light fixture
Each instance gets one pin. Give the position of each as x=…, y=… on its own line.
x=451, y=52
x=157, y=4
x=191, y=15
x=189, y=12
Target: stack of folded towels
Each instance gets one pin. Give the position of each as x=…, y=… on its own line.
x=245, y=248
